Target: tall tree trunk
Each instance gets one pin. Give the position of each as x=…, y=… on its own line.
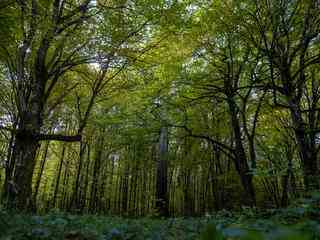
x=75, y=198
x=40, y=173
x=306, y=150
x=162, y=201
x=124, y=191
x=9, y=167
x=240, y=161
x=96, y=175
x=65, y=185
x=56, y=187
x=144, y=192
x=188, y=201
x=25, y=149
x=84, y=189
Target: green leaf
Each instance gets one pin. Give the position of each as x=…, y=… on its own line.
x=211, y=233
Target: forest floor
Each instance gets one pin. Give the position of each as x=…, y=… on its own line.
x=299, y=222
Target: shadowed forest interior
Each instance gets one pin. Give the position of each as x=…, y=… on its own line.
x=158, y=107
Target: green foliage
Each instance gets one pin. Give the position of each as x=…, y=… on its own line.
x=236, y=83
x=290, y=224
x=211, y=233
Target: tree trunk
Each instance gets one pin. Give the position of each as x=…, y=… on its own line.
x=75, y=198
x=124, y=191
x=307, y=154
x=162, y=169
x=240, y=161
x=56, y=188
x=9, y=167
x=65, y=185
x=84, y=189
x=96, y=175
x=20, y=189
x=40, y=173
x=188, y=201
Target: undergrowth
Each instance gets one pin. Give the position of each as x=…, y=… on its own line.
x=298, y=222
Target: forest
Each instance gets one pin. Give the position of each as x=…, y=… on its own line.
x=185, y=119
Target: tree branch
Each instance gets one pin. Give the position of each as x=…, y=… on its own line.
x=43, y=137
x=59, y=137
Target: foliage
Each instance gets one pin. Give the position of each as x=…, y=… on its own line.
x=159, y=108
x=296, y=222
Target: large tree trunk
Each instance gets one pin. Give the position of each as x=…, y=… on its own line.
x=20, y=189
x=240, y=161
x=306, y=150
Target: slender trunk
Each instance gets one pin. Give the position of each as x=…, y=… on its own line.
x=285, y=185
x=9, y=167
x=111, y=183
x=40, y=173
x=96, y=175
x=187, y=194
x=144, y=192
x=252, y=152
x=102, y=194
x=161, y=179
x=119, y=196
x=56, y=188
x=125, y=186
x=84, y=190
x=64, y=201
x=135, y=191
x=74, y=203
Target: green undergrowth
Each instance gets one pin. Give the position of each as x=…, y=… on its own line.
x=299, y=222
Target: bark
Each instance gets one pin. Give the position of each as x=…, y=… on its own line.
x=162, y=201
x=75, y=198
x=96, y=175
x=9, y=168
x=40, y=173
x=124, y=190
x=144, y=192
x=65, y=182
x=240, y=161
x=305, y=137
x=56, y=188
x=188, y=201
x=307, y=153
x=84, y=189
x=24, y=152
x=135, y=188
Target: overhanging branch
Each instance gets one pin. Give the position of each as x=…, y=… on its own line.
x=41, y=136
x=228, y=151
x=59, y=137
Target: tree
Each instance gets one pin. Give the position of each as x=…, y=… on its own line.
x=44, y=39
x=287, y=33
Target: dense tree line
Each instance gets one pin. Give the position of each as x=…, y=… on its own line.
x=158, y=107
